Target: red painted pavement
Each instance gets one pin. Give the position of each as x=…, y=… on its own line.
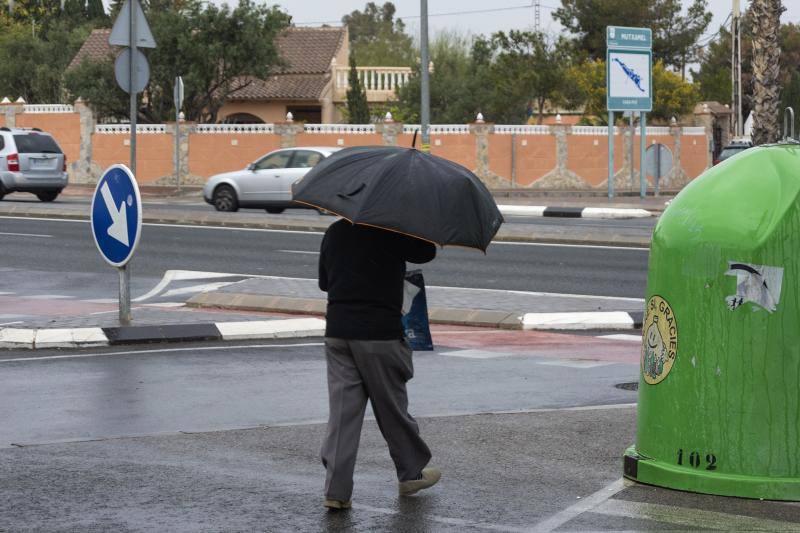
x=536, y=343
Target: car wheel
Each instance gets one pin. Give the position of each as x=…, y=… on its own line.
x=47, y=196
x=225, y=199
x=275, y=210
x=2, y=191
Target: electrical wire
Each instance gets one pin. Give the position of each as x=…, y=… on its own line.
x=448, y=14
x=711, y=37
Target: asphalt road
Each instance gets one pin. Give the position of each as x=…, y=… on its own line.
x=65, y=248
x=204, y=438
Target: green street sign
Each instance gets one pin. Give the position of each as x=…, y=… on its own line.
x=719, y=401
x=624, y=37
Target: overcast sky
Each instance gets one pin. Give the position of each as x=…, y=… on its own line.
x=503, y=17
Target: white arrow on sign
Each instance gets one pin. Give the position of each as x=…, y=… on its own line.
x=119, y=217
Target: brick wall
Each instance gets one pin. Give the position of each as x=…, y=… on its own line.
x=508, y=156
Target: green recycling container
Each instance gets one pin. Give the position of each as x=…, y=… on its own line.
x=719, y=384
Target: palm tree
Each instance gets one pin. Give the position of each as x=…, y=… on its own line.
x=765, y=16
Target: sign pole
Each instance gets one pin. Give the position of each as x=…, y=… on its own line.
x=642, y=147
x=124, y=295
x=425, y=94
x=132, y=90
x=611, y=154
x=124, y=273
x=177, y=149
x=658, y=170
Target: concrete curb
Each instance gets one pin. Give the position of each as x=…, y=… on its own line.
x=39, y=339
x=572, y=212
x=611, y=320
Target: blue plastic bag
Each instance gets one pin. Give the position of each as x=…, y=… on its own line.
x=415, y=312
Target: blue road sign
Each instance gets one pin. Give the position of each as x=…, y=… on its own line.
x=117, y=215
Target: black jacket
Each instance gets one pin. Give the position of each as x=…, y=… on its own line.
x=363, y=269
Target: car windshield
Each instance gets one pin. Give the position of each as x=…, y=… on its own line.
x=731, y=151
x=32, y=143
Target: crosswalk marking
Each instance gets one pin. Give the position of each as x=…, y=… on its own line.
x=572, y=363
x=477, y=354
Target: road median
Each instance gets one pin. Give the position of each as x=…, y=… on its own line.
x=509, y=232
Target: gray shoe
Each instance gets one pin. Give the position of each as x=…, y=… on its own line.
x=430, y=476
x=337, y=505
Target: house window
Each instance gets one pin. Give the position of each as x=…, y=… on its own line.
x=308, y=114
x=242, y=118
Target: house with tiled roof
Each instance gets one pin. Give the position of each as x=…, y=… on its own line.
x=312, y=85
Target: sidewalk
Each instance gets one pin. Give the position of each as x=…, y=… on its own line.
x=273, y=308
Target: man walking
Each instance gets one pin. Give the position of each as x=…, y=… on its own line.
x=363, y=270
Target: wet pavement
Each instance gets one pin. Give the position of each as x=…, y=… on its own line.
x=527, y=427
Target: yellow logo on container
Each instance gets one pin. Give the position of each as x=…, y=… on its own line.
x=659, y=340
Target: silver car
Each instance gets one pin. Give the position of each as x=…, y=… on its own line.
x=31, y=161
x=266, y=183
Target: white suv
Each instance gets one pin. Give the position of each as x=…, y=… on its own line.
x=31, y=161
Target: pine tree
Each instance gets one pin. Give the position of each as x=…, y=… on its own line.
x=95, y=11
x=357, y=107
x=75, y=11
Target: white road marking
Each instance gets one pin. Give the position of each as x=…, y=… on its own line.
x=477, y=354
x=24, y=234
x=298, y=252
x=206, y=287
x=586, y=504
x=103, y=301
x=572, y=363
x=11, y=323
x=48, y=297
x=159, y=350
x=6, y=293
x=180, y=275
x=691, y=517
x=622, y=337
x=579, y=320
x=166, y=304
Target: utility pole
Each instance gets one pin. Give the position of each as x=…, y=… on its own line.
x=736, y=69
x=537, y=15
x=425, y=97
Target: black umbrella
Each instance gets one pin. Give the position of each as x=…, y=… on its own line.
x=403, y=190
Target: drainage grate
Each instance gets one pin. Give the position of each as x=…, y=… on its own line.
x=632, y=385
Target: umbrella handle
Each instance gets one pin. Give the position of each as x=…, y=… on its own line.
x=351, y=194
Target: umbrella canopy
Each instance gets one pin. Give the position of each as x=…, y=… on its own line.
x=403, y=190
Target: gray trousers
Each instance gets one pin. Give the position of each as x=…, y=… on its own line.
x=378, y=371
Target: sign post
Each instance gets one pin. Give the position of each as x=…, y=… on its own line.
x=116, y=221
x=178, y=97
x=629, y=69
x=132, y=31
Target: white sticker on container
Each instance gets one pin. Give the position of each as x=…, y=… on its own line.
x=758, y=284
